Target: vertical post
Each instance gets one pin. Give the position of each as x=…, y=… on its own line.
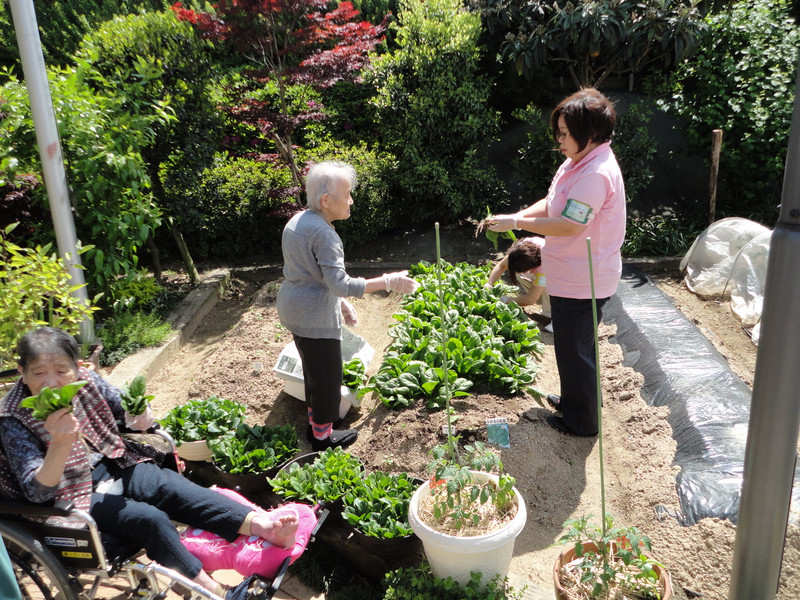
x=716, y=145
x=44, y=120
x=769, y=461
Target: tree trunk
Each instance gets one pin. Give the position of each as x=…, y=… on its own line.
x=191, y=270
x=155, y=256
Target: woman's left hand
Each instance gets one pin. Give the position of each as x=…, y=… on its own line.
x=349, y=313
x=143, y=422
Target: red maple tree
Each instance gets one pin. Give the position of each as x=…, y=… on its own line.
x=289, y=42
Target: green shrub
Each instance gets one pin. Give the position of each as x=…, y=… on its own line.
x=35, y=290
x=63, y=23
x=742, y=82
x=102, y=138
x=375, y=208
x=633, y=146
x=228, y=213
x=660, y=235
x=124, y=334
x=536, y=162
x=433, y=113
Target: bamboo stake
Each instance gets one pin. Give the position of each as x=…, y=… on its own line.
x=450, y=439
x=599, y=400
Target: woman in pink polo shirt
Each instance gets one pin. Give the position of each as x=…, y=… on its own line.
x=586, y=200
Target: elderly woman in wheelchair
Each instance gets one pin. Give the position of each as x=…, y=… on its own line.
x=78, y=455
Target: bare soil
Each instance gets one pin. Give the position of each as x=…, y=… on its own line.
x=234, y=350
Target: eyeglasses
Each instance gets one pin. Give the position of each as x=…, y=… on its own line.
x=561, y=135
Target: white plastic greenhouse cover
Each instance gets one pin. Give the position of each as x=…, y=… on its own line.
x=729, y=260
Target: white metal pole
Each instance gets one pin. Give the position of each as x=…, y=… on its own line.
x=44, y=120
x=769, y=461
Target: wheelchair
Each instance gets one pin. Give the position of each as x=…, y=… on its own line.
x=53, y=562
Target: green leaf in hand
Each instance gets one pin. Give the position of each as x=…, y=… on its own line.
x=133, y=399
x=50, y=400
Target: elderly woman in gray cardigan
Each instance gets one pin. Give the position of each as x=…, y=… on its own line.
x=312, y=300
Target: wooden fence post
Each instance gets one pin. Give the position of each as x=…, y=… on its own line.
x=716, y=145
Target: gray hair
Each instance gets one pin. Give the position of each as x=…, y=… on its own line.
x=322, y=177
x=47, y=340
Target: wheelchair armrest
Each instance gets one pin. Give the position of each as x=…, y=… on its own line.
x=60, y=508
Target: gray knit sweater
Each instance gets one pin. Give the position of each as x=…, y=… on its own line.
x=315, y=278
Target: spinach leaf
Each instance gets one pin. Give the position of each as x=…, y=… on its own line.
x=49, y=400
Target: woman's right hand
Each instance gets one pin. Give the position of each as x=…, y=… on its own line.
x=62, y=426
x=400, y=282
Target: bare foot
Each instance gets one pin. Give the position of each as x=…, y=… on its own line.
x=278, y=527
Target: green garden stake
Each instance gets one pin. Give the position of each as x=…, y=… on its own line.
x=599, y=399
x=450, y=440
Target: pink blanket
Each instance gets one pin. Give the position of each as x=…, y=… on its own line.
x=249, y=555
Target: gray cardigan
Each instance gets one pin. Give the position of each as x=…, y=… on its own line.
x=315, y=278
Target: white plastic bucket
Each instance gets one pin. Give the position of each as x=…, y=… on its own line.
x=456, y=557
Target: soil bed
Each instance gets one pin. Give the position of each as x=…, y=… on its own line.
x=233, y=351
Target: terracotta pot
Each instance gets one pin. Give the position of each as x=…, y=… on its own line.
x=453, y=556
x=568, y=556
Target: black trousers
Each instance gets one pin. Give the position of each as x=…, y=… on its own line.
x=573, y=339
x=151, y=497
x=322, y=372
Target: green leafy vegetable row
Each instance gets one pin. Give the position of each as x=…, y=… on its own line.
x=489, y=343
x=203, y=419
x=378, y=505
x=328, y=478
x=255, y=449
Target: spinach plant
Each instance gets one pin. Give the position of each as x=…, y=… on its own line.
x=49, y=400
x=354, y=373
x=254, y=449
x=378, y=505
x=203, y=419
x=332, y=474
x=489, y=343
x=133, y=398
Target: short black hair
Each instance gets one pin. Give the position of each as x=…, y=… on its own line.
x=589, y=116
x=523, y=256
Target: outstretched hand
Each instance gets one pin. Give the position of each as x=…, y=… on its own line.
x=502, y=223
x=400, y=282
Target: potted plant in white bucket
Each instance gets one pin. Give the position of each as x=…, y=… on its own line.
x=466, y=516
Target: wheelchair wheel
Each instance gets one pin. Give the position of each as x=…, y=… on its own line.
x=39, y=574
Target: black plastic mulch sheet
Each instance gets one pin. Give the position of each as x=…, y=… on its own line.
x=709, y=404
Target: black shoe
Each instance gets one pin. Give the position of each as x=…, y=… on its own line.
x=337, y=439
x=558, y=424
x=554, y=401
x=310, y=433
